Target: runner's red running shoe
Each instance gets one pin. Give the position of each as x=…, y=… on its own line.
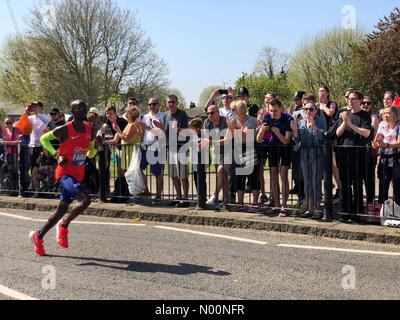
x=39, y=244
x=62, y=235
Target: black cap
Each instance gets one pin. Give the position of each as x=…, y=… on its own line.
x=299, y=95
x=55, y=110
x=243, y=91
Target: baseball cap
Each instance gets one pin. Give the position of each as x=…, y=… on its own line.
x=55, y=110
x=243, y=91
x=299, y=95
x=94, y=110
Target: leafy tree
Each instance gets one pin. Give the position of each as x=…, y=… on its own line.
x=259, y=85
x=325, y=60
x=378, y=58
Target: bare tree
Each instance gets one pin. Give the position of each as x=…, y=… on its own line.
x=102, y=47
x=271, y=61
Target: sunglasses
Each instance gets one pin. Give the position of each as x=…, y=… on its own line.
x=367, y=103
x=53, y=114
x=211, y=113
x=309, y=109
x=9, y=123
x=227, y=98
x=152, y=104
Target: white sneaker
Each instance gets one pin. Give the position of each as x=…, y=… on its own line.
x=212, y=200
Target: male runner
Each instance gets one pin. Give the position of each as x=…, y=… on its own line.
x=76, y=142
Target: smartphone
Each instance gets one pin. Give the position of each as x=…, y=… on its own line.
x=222, y=91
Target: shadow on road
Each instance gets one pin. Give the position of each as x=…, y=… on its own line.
x=146, y=267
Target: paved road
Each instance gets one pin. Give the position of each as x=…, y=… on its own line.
x=165, y=261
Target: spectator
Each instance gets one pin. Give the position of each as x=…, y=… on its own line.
x=252, y=109
x=388, y=100
x=175, y=121
x=372, y=156
x=247, y=125
x=298, y=102
x=327, y=107
x=95, y=119
x=91, y=165
x=226, y=100
x=26, y=130
x=263, y=148
x=150, y=145
x=311, y=133
x=113, y=122
x=130, y=137
x=298, y=114
x=388, y=140
x=57, y=119
x=196, y=125
x=353, y=132
x=280, y=124
x=11, y=136
x=39, y=124
x=215, y=125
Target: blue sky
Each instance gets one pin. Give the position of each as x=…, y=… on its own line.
x=213, y=42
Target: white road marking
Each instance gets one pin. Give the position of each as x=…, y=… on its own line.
x=212, y=235
x=14, y=294
x=74, y=222
x=14, y=216
x=383, y=253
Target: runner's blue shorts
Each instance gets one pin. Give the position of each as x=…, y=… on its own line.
x=70, y=187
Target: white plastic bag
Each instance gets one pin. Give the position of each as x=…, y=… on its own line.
x=133, y=176
x=390, y=214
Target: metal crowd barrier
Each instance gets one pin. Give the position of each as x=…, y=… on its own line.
x=104, y=178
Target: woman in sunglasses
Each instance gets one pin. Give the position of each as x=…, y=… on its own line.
x=311, y=133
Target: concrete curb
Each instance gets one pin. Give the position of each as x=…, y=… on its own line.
x=209, y=218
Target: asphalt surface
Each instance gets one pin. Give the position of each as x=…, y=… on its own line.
x=139, y=262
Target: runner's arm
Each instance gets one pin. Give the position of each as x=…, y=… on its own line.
x=46, y=139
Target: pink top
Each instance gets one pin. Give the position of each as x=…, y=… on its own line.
x=9, y=136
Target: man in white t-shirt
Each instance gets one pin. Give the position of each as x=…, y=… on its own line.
x=150, y=145
x=39, y=122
